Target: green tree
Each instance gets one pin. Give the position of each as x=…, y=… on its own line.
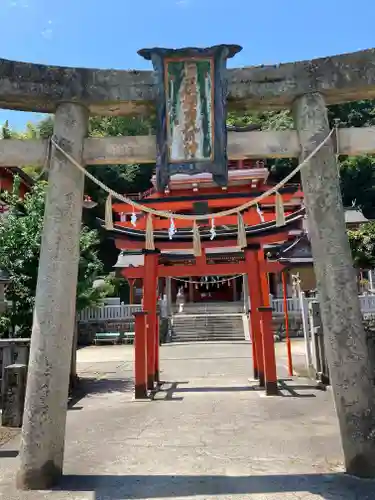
x=362, y=243
x=20, y=240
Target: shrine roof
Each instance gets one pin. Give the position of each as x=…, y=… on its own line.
x=25, y=178
x=227, y=233
x=355, y=216
x=294, y=250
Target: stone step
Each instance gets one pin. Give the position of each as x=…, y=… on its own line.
x=208, y=338
x=213, y=307
x=208, y=328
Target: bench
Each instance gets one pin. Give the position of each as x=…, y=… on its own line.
x=128, y=337
x=113, y=337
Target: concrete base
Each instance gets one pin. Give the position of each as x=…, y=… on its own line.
x=41, y=479
x=140, y=392
x=272, y=389
x=150, y=383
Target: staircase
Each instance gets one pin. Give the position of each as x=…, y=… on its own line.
x=210, y=322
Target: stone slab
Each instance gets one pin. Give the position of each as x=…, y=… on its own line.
x=40, y=88
x=142, y=149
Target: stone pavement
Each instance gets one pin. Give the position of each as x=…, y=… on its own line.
x=208, y=435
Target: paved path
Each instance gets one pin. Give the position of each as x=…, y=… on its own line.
x=208, y=434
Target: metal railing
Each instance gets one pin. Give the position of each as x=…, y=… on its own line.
x=121, y=312
x=367, y=303
x=108, y=313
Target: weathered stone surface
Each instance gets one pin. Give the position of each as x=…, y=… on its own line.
x=13, y=397
x=352, y=374
x=43, y=431
x=142, y=149
x=34, y=87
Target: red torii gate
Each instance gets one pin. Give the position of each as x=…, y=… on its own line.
x=253, y=265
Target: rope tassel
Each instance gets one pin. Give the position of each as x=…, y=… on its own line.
x=108, y=213
x=279, y=207
x=197, y=246
x=241, y=232
x=150, y=245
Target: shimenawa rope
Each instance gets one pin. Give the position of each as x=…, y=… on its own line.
x=170, y=215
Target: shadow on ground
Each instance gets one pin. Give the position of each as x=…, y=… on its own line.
x=167, y=391
x=329, y=486
x=88, y=386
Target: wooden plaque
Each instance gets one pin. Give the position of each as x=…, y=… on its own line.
x=191, y=111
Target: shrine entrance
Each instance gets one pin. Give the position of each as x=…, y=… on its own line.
x=198, y=205
x=206, y=289
x=217, y=289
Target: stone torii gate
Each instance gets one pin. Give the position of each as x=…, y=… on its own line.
x=73, y=94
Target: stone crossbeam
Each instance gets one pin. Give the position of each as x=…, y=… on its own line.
x=142, y=149
x=35, y=87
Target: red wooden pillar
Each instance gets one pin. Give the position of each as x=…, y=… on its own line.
x=150, y=305
x=157, y=344
x=140, y=355
x=286, y=317
x=131, y=291
x=270, y=375
x=253, y=276
x=267, y=332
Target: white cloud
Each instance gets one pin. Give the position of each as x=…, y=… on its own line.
x=183, y=3
x=23, y=4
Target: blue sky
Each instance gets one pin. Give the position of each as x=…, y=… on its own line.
x=108, y=33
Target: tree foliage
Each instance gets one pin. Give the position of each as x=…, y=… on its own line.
x=20, y=240
x=362, y=243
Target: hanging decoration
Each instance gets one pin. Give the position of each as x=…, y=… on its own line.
x=260, y=213
x=197, y=246
x=150, y=245
x=191, y=96
x=133, y=219
x=279, y=209
x=241, y=232
x=172, y=229
x=209, y=280
x=108, y=213
x=212, y=230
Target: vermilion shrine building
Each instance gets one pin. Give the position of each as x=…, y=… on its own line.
x=199, y=194
x=6, y=183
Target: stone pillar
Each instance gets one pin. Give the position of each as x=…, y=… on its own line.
x=168, y=291
x=351, y=372
x=43, y=432
x=73, y=379
x=13, y=397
